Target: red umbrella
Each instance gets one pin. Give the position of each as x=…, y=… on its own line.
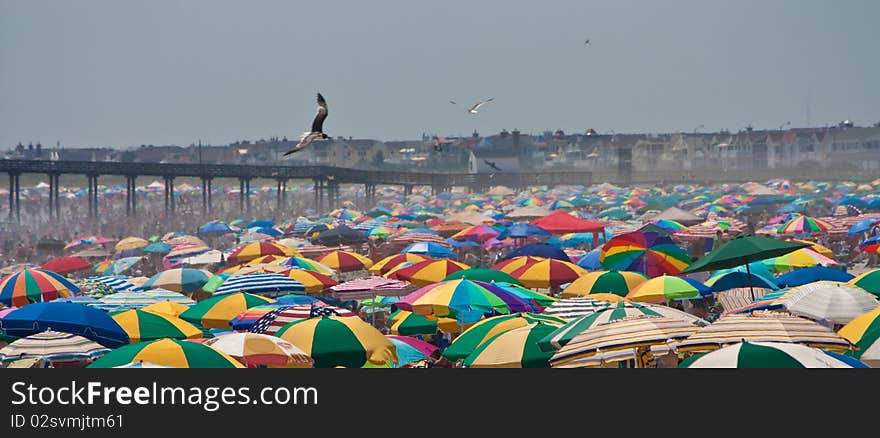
x=66, y=265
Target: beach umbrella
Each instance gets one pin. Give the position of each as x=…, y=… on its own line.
x=132, y=299
x=34, y=286
x=735, y=280
x=802, y=258
x=113, y=283
x=266, y=260
x=168, y=352
x=411, y=350
x=468, y=341
x=142, y=364
x=667, y=288
x=184, y=240
x=523, y=230
x=465, y=300
x=312, y=281
x=870, y=245
x=616, y=282
x=345, y=261
x=130, y=243
x=407, y=323
x=862, y=226
x=515, y=348
x=66, y=265
x=77, y=319
x=215, y=228
x=142, y=326
x=804, y=225
x=250, y=251
x=51, y=345
x=340, y=235
x=429, y=249
x=667, y=225
x=547, y=273
x=864, y=332
x=380, y=232
x=544, y=250
x=166, y=307
x=622, y=335
x=763, y=326
x=812, y=274
x=266, y=284
x=815, y=247
x=483, y=274
x=121, y=265
x=338, y=341
x=479, y=233
x=515, y=263
x=828, y=301
x=591, y=261
x=608, y=314
x=572, y=308
x=273, y=321
x=304, y=263
x=259, y=349
x=216, y=312
x=519, y=291
x=869, y=281
x=184, y=280
x=765, y=355
x=158, y=248
x=426, y=272
x=650, y=253
x=262, y=223
x=383, y=266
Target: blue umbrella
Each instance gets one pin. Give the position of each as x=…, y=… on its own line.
x=295, y=299
x=265, y=223
x=430, y=249
x=590, y=261
x=78, y=319
x=862, y=226
x=803, y=276
x=268, y=284
x=736, y=279
x=756, y=268
x=215, y=228
x=421, y=231
x=461, y=244
x=121, y=265
x=269, y=231
x=539, y=250
x=523, y=230
x=158, y=247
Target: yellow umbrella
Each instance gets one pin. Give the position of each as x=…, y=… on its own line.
x=816, y=247
x=166, y=307
x=130, y=243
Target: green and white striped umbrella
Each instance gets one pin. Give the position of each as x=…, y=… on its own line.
x=611, y=313
x=517, y=348
x=765, y=355
x=479, y=333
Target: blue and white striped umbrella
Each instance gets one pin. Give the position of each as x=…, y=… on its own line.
x=268, y=284
x=115, y=282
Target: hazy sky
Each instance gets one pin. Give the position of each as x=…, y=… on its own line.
x=123, y=73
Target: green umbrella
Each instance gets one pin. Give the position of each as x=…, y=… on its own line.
x=167, y=352
x=214, y=282
x=470, y=339
x=742, y=250
x=483, y=274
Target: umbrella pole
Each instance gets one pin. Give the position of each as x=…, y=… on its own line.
x=749, y=279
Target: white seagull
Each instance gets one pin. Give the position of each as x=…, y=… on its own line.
x=473, y=109
x=317, y=132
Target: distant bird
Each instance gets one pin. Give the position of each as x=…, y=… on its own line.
x=453, y=102
x=587, y=42
x=473, y=109
x=317, y=132
x=492, y=165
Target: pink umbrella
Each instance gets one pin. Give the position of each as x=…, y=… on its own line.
x=420, y=345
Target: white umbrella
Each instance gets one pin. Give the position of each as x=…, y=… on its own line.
x=260, y=349
x=830, y=301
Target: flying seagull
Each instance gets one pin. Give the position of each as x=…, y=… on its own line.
x=453, y=102
x=473, y=109
x=317, y=132
x=587, y=41
x=492, y=165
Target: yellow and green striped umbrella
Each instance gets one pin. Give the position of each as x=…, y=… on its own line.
x=166, y=307
x=517, y=348
x=615, y=282
x=864, y=332
x=216, y=312
x=869, y=281
x=147, y=326
x=339, y=341
x=668, y=287
x=168, y=352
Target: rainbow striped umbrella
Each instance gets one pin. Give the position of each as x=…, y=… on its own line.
x=477, y=334
x=517, y=348
x=618, y=283
x=304, y=263
x=338, y=341
x=34, y=286
x=168, y=352
x=250, y=251
x=547, y=273
x=147, y=326
x=667, y=225
x=266, y=259
x=184, y=280
x=864, y=332
x=52, y=346
x=804, y=225
x=427, y=272
x=869, y=281
x=465, y=300
x=380, y=232
x=383, y=266
x=479, y=233
x=345, y=261
x=870, y=245
x=667, y=287
x=648, y=252
x=517, y=290
x=216, y=312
